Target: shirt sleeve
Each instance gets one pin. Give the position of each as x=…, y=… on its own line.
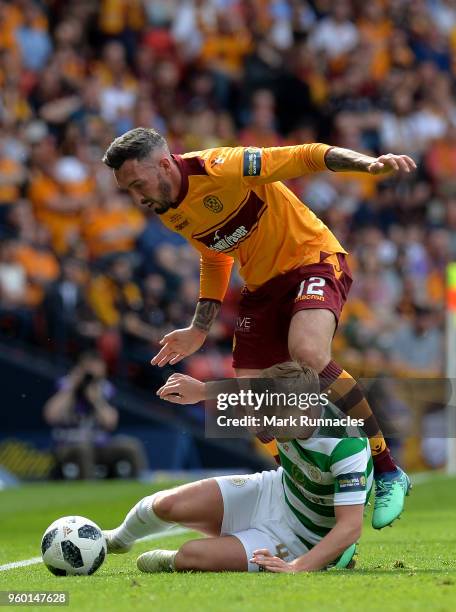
x=260, y=166
x=215, y=272
x=349, y=468
x=254, y=166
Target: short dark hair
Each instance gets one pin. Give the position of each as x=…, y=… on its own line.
x=134, y=144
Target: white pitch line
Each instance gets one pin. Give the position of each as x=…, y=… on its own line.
x=152, y=536
x=417, y=479
x=24, y=563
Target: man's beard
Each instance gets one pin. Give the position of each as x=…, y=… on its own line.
x=165, y=202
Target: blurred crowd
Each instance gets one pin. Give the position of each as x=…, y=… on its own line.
x=81, y=267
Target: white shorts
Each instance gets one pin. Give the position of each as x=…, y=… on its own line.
x=255, y=511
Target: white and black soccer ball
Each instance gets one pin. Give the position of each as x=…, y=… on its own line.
x=73, y=546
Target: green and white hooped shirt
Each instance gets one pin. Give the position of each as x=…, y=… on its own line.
x=319, y=474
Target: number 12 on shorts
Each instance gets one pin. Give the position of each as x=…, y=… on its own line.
x=311, y=286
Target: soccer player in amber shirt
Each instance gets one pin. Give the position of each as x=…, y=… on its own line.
x=230, y=204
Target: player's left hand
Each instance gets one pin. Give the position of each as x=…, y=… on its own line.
x=178, y=344
x=265, y=559
x=391, y=163
x=182, y=389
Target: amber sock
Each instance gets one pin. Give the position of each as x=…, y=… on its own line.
x=348, y=396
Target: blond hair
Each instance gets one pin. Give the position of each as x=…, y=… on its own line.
x=292, y=369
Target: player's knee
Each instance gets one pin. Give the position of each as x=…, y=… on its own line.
x=192, y=556
x=165, y=505
x=312, y=356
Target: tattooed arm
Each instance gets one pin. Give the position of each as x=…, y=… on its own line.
x=214, y=278
x=345, y=160
x=205, y=314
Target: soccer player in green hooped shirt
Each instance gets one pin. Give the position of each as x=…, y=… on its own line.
x=305, y=516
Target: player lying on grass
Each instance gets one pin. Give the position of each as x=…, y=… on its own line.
x=230, y=204
x=303, y=516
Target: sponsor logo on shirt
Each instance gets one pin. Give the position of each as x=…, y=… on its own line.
x=244, y=324
x=221, y=243
x=229, y=233
x=213, y=203
x=355, y=481
x=252, y=162
x=315, y=499
x=319, y=298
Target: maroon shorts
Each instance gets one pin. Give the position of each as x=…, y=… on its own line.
x=261, y=331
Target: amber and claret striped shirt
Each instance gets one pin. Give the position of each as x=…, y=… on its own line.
x=233, y=206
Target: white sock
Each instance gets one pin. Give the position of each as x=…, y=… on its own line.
x=141, y=521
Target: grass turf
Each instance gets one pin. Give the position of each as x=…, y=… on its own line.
x=409, y=567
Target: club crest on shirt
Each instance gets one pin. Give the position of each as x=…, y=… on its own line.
x=213, y=203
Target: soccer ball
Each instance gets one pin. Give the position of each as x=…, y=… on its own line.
x=73, y=546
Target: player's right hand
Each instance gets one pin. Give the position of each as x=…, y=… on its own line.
x=182, y=389
x=179, y=344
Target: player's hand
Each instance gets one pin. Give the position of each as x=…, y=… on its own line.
x=182, y=389
x=179, y=344
x=390, y=163
x=265, y=559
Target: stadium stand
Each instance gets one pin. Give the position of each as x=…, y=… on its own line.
x=80, y=267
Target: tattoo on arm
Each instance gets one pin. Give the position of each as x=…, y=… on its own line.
x=205, y=314
x=341, y=160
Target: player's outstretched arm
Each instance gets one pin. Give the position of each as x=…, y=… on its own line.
x=345, y=160
x=347, y=531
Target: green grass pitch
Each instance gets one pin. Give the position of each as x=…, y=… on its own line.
x=411, y=566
